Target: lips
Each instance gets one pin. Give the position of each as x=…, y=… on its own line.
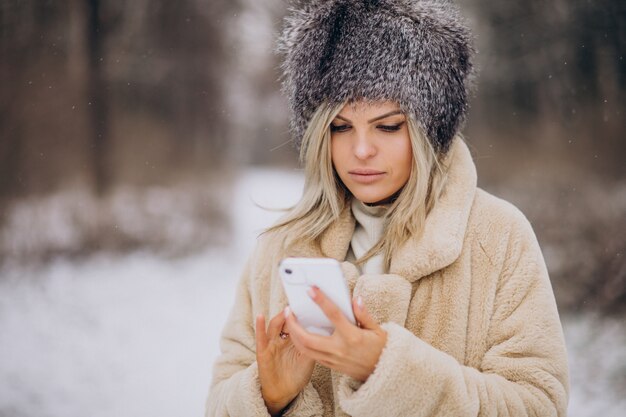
x=366, y=176
x=365, y=171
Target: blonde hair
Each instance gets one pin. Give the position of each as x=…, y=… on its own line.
x=325, y=196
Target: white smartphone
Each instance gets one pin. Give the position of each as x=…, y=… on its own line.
x=299, y=274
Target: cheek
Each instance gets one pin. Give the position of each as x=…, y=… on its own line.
x=337, y=154
x=403, y=160
x=408, y=164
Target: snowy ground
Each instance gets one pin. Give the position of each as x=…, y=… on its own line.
x=136, y=335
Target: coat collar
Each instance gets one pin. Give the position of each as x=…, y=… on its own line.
x=444, y=230
x=445, y=226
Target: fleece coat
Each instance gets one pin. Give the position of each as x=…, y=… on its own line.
x=471, y=320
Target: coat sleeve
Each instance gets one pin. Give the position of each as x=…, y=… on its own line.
x=524, y=371
x=235, y=389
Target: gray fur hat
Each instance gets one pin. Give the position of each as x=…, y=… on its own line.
x=417, y=53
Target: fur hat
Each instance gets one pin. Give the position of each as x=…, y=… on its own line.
x=417, y=53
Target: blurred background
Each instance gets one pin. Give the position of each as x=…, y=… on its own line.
x=137, y=140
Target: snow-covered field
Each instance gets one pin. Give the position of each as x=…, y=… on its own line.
x=135, y=335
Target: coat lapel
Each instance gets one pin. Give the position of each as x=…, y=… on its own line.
x=333, y=243
x=445, y=226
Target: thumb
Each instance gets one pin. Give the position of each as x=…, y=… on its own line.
x=362, y=316
x=261, y=336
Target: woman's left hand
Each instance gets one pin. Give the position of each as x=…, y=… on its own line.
x=352, y=350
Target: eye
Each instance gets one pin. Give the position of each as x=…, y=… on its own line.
x=390, y=128
x=339, y=128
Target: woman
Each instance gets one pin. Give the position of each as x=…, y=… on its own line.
x=455, y=312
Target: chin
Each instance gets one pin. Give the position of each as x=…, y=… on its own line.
x=370, y=197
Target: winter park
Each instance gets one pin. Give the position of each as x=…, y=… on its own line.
x=145, y=146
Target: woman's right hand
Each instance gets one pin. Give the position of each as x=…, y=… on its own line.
x=283, y=371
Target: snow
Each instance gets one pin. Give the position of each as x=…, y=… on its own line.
x=597, y=360
x=111, y=337
x=136, y=335
x=158, y=217
x=130, y=335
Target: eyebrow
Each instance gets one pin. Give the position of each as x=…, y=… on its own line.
x=391, y=113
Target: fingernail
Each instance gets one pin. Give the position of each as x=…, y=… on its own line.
x=287, y=311
x=311, y=292
x=359, y=301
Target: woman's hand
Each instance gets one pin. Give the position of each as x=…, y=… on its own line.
x=283, y=371
x=351, y=350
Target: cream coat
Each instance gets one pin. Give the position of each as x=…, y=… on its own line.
x=473, y=328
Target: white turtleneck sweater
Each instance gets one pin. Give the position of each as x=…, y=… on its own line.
x=367, y=232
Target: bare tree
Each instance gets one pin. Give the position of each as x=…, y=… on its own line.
x=97, y=96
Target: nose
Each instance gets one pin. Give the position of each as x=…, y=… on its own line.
x=364, y=147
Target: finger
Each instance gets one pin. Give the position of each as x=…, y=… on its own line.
x=362, y=316
x=313, y=346
x=330, y=309
x=261, y=337
x=303, y=346
x=304, y=340
x=276, y=325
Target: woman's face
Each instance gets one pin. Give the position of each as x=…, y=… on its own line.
x=371, y=149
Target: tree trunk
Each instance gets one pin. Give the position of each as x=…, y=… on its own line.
x=97, y=98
